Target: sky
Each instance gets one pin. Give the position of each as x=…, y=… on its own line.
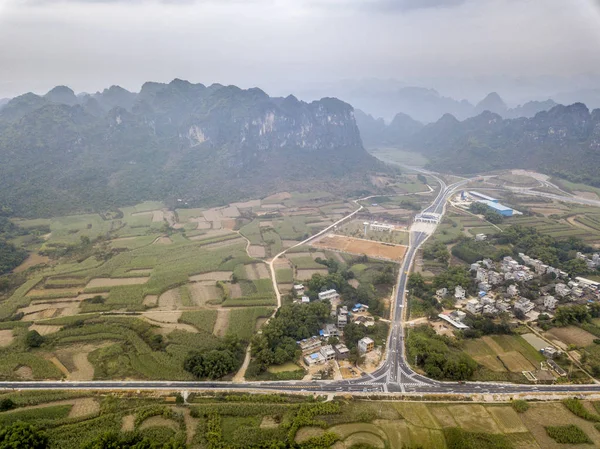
x=286, y=45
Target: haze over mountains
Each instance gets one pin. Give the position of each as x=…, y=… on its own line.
x=61, y=153
x=563, y=141
x=514, y=98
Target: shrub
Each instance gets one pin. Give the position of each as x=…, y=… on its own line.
x=520, y=405
x=33, y=339
x=570, y=434
x=576, y=407
x=6, y=404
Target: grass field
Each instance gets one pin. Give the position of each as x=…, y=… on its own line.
x=503, y=354
x=243, y=420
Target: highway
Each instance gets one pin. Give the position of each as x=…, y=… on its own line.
x=393, y=376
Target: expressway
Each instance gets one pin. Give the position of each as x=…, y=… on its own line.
x=394, y=375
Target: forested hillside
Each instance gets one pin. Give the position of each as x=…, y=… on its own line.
x=564, y=141
x=60, y=153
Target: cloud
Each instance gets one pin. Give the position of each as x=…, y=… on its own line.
x=407, y=5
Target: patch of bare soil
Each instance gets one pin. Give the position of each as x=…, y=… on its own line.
x=305, y=275
x=247, y=204
x=268, y=422
x=150, y=300
x=42, y=311
x=191, y=424
x=360, y=246
x=128, y=423
x=32, y=261
x=212, y=215
x=44, y=329
x=273, y=206
x=203, y=225
x=282, y=262
x=289, y=243
x=212, y=276
x=260, y=322
x=158, y=216
x=75, y=359
x=256, y=251
x=53, y=291
x=354, y=283
x=266, y=224
x=84, y=407
x=235, y=290
x=167, y=322
x=24, y=372
x=169, y=300
x=281, y=196
x=210, y=234
x=586, y=195
x=202, y=294
x=256, y=271
x=163, y=241
x=228, y=224
x=230, y=212
x=159, y=421
x=115, y=282
x=6, y=338
x=217, y=224
x=222, y=323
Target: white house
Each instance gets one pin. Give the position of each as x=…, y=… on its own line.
x=441, y=293
x=512, y=290
x=459, y=292
x=328, y=352
x=329, y=294
x=474, y=306
x=365, y=345
x=524, y=305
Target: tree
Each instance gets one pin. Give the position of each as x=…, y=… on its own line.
x=22, y=435
x=6, y=404
x=33, y=339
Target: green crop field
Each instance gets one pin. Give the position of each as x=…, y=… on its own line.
x=242, y=321
x=241, y=420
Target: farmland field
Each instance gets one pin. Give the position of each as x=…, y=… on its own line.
x=72, y=419
x=359, y=246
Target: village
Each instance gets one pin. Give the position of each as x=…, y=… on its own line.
x=326, y=355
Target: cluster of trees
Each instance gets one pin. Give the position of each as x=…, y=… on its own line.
x=216, y=363
x=488, y=213
x=480, y=325
x=439, y=356
x=437, y=251
x=576, y=314
x=423, y=291
x=22, y=435
x=293, y=322
x=557, y=253
x=471, y=251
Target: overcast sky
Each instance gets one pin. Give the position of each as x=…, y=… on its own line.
x=281, y=44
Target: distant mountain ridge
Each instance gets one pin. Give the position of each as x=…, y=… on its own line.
x=564, y=141
x=375, y=132
x=207, y=145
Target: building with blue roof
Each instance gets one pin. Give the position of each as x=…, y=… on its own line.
x=500, y=208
